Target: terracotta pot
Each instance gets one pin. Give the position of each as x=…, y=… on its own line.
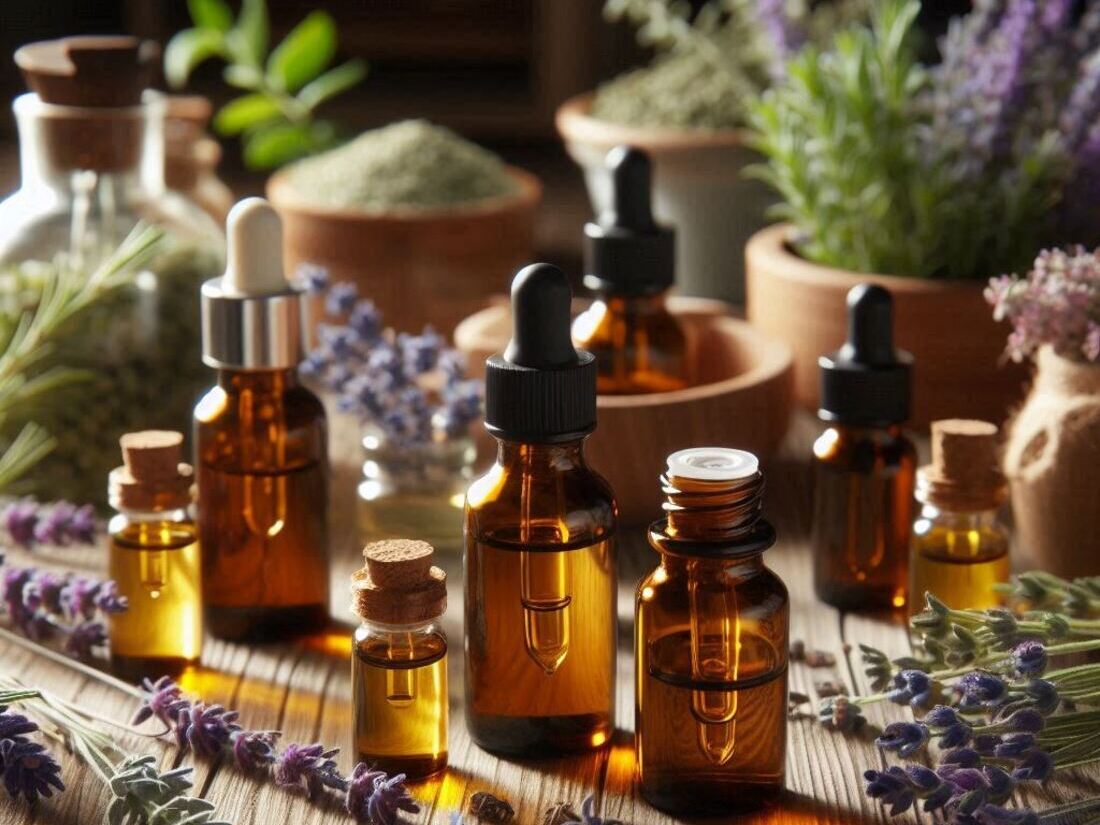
x=1052, y=460
x=743, y=400
x=959, y=372
x=419, y=266
x=191, y=156
x=698, y=188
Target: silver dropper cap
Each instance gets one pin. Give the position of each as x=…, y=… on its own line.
x=252, y=318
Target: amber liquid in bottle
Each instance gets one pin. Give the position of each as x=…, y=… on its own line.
x=959, y=557
x=863, y=514
x=399, y=676
x=154, y=559
x=639, y=345
x=262, y=477
x=711, y=658
x=540, y=603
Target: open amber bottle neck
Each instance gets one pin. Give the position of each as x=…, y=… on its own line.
x=518, y=455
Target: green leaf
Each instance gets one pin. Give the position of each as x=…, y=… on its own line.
x=186, y=50
x=304, y=53
x=270, y=146
x=332, y=83
x=243, y=77
x=249, y=38
x=246, y=112
x=210, y=14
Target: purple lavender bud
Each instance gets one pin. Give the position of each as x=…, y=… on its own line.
x=253, y=750
x=84, y=637
x=339, y=341
x=40, y=627
x=376, y=798
x=20, y=519
x=1043, y=695
x=452, y=364
x=14, y=583
x=912, y=687
x=986, y=743
x=366, y=321
x=1030, y=658
x=979, y=688
x=962, y=758
x=54, y=528
x=956, y=735
x=205, y=728
x=1001, y=785
x=942, y=716
x=420, y=352
x=312, y=278
x=28, y=770
x=163, y=700
x=109, y=600
x=1035, y=765
x=890, y=787
x=309, y=769
x=78, y=597
x=43, y=592
x=904, y=737
x=923, y=778
x=1014, y=745
x=341, y=298
x=82, y=525
x=14, y=725
x=1026, y=720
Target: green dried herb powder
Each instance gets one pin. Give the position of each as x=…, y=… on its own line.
x=681, y=90
x=411, y=164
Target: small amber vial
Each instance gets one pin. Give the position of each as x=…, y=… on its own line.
x=711, y=628
x=960, y=547
x=154, y=559
x=399, y=666
x=864, y=464
x=640, y=347
x=540, y=545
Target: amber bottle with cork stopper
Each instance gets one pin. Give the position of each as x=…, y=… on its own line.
x=154, y=559
x=630, y=262
x=711, y=640
x=960, y=546
x=399, y=664
x=540, y=544
x=261, y=444
x=864, y=464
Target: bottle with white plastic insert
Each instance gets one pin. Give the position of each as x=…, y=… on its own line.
x=261, y=446
x=711, y=640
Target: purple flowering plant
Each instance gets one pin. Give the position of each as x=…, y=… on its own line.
x=412, y=389
x=29, y=523
x=955, y=170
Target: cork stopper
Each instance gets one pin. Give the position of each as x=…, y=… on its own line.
x=90, y=71
x=153, y=475
x=965, y=473
x=399, y=584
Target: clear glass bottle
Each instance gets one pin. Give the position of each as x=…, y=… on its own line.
x=91, y=145
x=540, y=583
x=154, y=559
x=864, y=465
x=261, y=446
x=416, y=489
x=960, y=547
x=399, y=662
x=640, y=347
x=711, y=641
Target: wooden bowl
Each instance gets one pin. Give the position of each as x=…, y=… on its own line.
x=743, y=400
x=433, y=266
x=959, y=369
x=698, y=187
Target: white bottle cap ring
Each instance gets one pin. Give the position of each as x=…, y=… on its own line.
x=712, y=464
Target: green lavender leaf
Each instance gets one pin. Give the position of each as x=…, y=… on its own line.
x=210, y=14
x=186, y=50
x=246, y=112
x=304, y=53
x=331, y=83
x=249, y=37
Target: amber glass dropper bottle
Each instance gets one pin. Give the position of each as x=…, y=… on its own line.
x=630, y=261
x=960, y=546
x=260, y=439
x=864, y=465
x=711, y=631
x=154, y=559
x=540, y=551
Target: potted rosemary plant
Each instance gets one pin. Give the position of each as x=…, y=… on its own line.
x=926, y=181
x=688, y=110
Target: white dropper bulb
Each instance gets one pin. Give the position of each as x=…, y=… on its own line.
x=254, y=258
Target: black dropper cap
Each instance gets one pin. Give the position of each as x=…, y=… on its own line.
x=540, y=389
x=625, y=251
x=867, y=382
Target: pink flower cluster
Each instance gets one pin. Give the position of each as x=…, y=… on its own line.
x=1056, y=303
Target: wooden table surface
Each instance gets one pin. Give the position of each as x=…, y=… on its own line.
x=304, y=690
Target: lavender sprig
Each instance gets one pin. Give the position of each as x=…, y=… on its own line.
x=26, y=768
x=29, y=523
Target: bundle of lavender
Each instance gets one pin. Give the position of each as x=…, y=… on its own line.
x=992, y=710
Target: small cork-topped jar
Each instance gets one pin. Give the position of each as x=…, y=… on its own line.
x=959, y=545
x=154, y=559
x=399, y=664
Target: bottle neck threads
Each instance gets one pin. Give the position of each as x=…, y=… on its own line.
x=710, y=510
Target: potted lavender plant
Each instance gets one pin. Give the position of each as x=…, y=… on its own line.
x=688, y=110
x=927, y=181
x=414, y=402
x=1052, y=457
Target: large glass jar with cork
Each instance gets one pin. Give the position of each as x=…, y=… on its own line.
x=91, y=140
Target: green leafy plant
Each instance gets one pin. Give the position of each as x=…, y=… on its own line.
x=276, y=116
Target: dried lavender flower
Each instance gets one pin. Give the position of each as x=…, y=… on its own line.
x=61, y=523
x=374, y=797
x=163, y=700
x=205, y=728
x=84, y=637
x=309, y=769
x=253, y=750
x=28, y=769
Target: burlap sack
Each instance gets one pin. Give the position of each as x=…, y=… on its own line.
x=1052, y=460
